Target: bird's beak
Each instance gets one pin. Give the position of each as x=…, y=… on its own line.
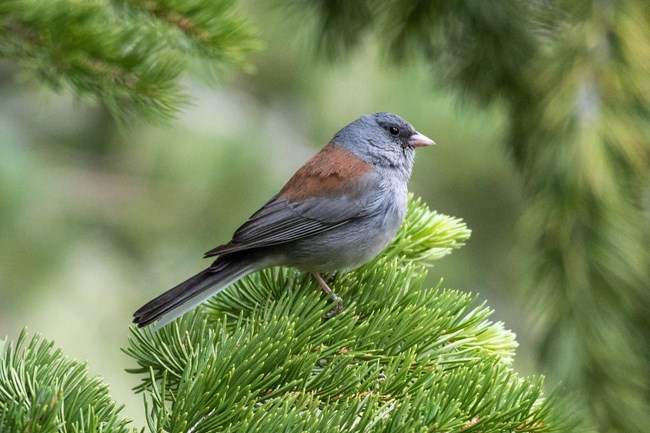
x=419, y=140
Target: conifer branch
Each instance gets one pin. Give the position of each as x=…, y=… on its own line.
x=42, y=391
x=573, y=79
x=260, y=356
x=115, y=53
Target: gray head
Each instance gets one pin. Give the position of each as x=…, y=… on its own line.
x=383, y=139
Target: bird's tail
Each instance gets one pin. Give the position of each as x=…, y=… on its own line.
x=187, y=295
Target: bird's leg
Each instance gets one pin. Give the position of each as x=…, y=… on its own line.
x=333, y=296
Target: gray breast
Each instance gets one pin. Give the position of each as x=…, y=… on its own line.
x=354, y=243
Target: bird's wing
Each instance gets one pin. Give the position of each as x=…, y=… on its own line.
x=328, y=191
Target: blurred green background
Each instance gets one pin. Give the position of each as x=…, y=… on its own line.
x=95, y=220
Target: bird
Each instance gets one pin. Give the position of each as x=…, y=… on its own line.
x=336, y=213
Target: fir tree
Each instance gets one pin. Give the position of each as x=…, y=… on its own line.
x=128, y=55
x=573, y=77
x=260, y=357
x=41, y=391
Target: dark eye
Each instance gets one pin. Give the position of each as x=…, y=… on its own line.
x=393, y=130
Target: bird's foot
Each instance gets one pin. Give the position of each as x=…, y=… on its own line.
x=338, y=306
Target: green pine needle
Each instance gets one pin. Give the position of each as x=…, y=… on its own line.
x=43, y=391
x=400, y=357
x=260, y=357
x=427, y=235
x=128, y=56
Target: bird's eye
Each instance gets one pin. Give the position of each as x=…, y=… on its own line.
x=393, y=130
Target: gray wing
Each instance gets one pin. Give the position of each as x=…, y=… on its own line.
x=282, y=220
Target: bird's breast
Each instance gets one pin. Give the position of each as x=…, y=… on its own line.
x=354, y=243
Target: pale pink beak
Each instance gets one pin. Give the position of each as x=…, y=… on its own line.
x=419, y=140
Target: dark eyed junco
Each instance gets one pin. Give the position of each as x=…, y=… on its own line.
x=336, y=213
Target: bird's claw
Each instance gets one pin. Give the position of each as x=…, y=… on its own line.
x=338, y=307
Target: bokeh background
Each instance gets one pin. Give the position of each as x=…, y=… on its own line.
x=96, y=219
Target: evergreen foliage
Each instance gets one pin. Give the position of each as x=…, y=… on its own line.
x=573, y=77
x=43, y=391
x=585, y=154
x=127, y=55
x=260, y=357
x=401, y=357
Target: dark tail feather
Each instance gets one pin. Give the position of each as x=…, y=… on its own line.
x=187, y=295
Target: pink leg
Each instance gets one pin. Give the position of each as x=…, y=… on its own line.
x=333, y=296
x=322, y=282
